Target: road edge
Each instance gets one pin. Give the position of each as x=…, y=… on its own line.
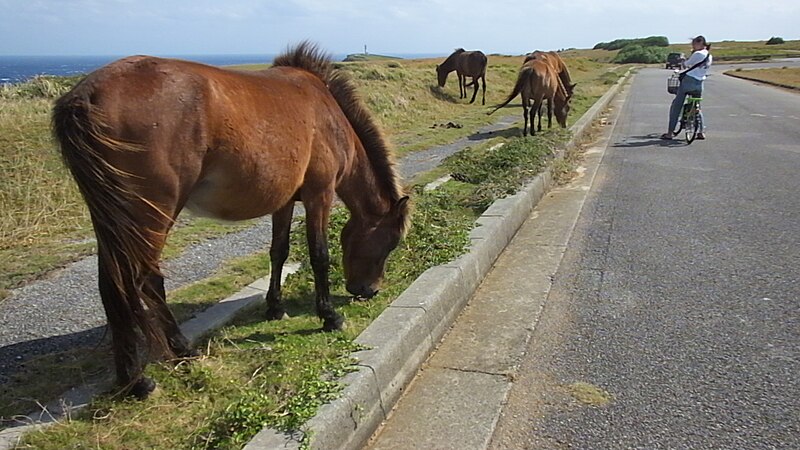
x=405, y=334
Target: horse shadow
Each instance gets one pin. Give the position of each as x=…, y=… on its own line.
x=648, y=140
x=440, y=94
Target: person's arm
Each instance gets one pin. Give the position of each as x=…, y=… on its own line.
x=694, y=59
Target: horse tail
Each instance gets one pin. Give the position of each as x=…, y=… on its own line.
x=124, y=246
x=523, y=78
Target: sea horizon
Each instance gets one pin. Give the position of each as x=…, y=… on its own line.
x=20, y=68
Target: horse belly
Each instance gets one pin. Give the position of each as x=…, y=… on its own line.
x=234, y=198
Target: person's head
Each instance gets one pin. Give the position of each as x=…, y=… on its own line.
x=700, y=43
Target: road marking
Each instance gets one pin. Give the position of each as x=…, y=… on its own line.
x=757, y=115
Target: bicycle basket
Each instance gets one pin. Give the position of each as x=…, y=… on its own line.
x=672, y=84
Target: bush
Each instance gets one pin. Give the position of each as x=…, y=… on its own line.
x=775, y=40
x=618, y=44
x=40, y=86
x=642, y=55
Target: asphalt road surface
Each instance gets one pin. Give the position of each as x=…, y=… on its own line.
x=674, y=319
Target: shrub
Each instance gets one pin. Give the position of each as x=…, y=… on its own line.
x=40, y=86
x=775, y=40
x=642, y=55
x=618, y=44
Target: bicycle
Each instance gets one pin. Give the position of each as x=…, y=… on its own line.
x=690, y=120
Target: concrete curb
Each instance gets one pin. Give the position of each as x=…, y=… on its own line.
x=771, y=83
x=405, y=334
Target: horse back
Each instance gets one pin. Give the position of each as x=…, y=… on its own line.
x=228, y=144
x=472, y=63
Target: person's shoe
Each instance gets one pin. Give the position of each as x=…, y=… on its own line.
x=666, y=136
x=701, y=136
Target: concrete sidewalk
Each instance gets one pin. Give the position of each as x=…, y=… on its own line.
x=455, y=400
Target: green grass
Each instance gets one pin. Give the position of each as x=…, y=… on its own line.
x=441, y=223
x=258, y=373
x=44, y=224
x=360, y=57
x=59, y=371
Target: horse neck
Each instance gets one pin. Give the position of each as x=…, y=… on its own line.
x=449, y=64
x=361, y=191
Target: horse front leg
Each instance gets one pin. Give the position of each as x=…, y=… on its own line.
x=461, y=88
x=278, y=253
x=317, y=216
x=549, y=114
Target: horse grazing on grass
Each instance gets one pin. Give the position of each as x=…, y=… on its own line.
x=557, y=63
x=537, y=82
x=145, y=137
x=466, y=64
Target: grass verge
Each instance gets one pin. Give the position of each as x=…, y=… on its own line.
x=788, y=77
x=62, y=370
x=257, y=373
x=44, y=224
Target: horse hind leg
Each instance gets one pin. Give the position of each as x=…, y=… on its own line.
x=475, y=90
x=483, y=101
x=125, y=342
x=176, y=340
x=278, y=253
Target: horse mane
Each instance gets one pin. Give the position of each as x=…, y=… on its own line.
x=308, y=56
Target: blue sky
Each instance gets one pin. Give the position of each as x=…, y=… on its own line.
x=188, y=27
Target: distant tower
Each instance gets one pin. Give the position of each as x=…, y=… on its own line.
x=365, y=49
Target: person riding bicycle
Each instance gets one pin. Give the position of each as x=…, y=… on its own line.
x=691, y=82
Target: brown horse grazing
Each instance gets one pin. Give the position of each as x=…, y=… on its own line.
x=557, y=63
x=145, y=137
x=466, y=64
x=538, y=81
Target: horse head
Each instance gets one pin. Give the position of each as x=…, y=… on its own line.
x=366, y=244
x=441, y=75
x=562, y=103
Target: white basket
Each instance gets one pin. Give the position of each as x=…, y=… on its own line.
x=673, y=83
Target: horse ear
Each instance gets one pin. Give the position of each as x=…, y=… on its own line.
x=402, y=203
x=572, y=86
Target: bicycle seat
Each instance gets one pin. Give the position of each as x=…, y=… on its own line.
x=696, y=94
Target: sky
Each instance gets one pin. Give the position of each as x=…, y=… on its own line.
x=198, y=27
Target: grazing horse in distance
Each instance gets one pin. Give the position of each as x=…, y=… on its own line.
x=146, y=137
x=466, y=64
x=557, y=63
x=537, y=82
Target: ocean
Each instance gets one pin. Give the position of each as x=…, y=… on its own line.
x=15, y=69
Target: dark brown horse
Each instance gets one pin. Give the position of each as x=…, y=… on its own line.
x=557, y=63
x=145, y=137
x=537, y=82
x=466, y=64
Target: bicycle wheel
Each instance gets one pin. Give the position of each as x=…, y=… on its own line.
x=692, y=126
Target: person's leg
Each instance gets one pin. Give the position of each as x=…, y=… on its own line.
x=702, y=134
x=677, y=107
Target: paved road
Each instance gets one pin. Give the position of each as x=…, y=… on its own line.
x=678, y=298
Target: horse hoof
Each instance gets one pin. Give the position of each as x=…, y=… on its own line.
x=335, y=323
x=276, y=313
x=188, y=352
x=142, y=388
